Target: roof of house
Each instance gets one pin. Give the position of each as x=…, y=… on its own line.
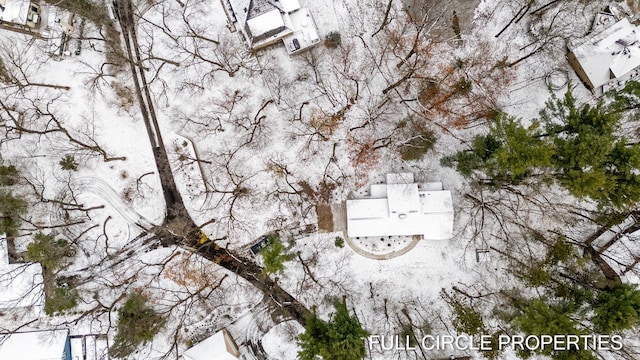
x=14, y=11
x=220, y=346
x=290, y=5
x=34, y=345
x=402, y=208
x=265, y=22
x=22, y=284
x=610, y=53
x=251, y=9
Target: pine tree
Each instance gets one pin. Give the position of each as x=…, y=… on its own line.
x=137, y=325
x=48, y=251
x=314, y=339
x=60, y=299
x=617, y=309
x=340, y=339
x=8, y=175
x=466, y=319
x=274, y=255
x=540, y=317
x=69, y=163
x=576, y=146
x=11, y=208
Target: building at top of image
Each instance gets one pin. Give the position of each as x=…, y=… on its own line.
x=266, y=22
x=609, y=55
x=20, y=13
x=399, y=206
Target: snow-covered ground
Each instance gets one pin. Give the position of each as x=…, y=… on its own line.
x=255, y=141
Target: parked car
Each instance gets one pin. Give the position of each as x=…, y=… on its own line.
x=261, y=244
x=294, y=45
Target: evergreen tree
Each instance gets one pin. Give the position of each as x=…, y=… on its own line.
x=466, y=319
x=8, y=175
x=590, y=159
x=340, y=339
x=314, y=339
x=137, y=325
x=49, y=252
x=576, y=146
x=61, y=299
x=69, y=163
x=274, y=255
x=11, y=208
x=617, y=309
x=540, y=317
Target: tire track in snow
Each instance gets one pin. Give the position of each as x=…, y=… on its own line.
x=249, y=329
x=103, y=190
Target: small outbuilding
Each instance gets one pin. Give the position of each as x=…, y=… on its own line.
x=36, y=345
x=220, y=346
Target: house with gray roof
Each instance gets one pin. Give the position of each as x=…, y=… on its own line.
x=266, y=22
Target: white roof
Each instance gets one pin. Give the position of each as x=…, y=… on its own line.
x=213, y=348
x=15, y=11
x=22, y=284
x=304, y=31
x=436, y=201
x=362, y=209
x=434, y=226
x=266, y=22
x=240, y=9
x=290, y=5
x=405, y=210
x=403, y=198
x=35, y=345
x=610, y=53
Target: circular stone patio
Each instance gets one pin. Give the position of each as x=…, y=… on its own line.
x=382, y=247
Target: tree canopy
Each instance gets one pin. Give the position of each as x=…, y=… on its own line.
x=577, y=146
x=137, y=324
x=274, y=255
x=49, y=251
x=617, y=309
x=11, y=208
x=342, y=338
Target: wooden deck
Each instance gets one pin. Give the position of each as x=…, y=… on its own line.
x=332, y=217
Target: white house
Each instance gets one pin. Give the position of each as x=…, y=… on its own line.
x=265, y=22
x=22, y=284
x=605, y=59
x=220, y=346
x=19, y=12
x=402, y=207
x=36, y=345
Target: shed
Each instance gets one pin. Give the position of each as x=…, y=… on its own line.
x=220, y=346
x=35, y=345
